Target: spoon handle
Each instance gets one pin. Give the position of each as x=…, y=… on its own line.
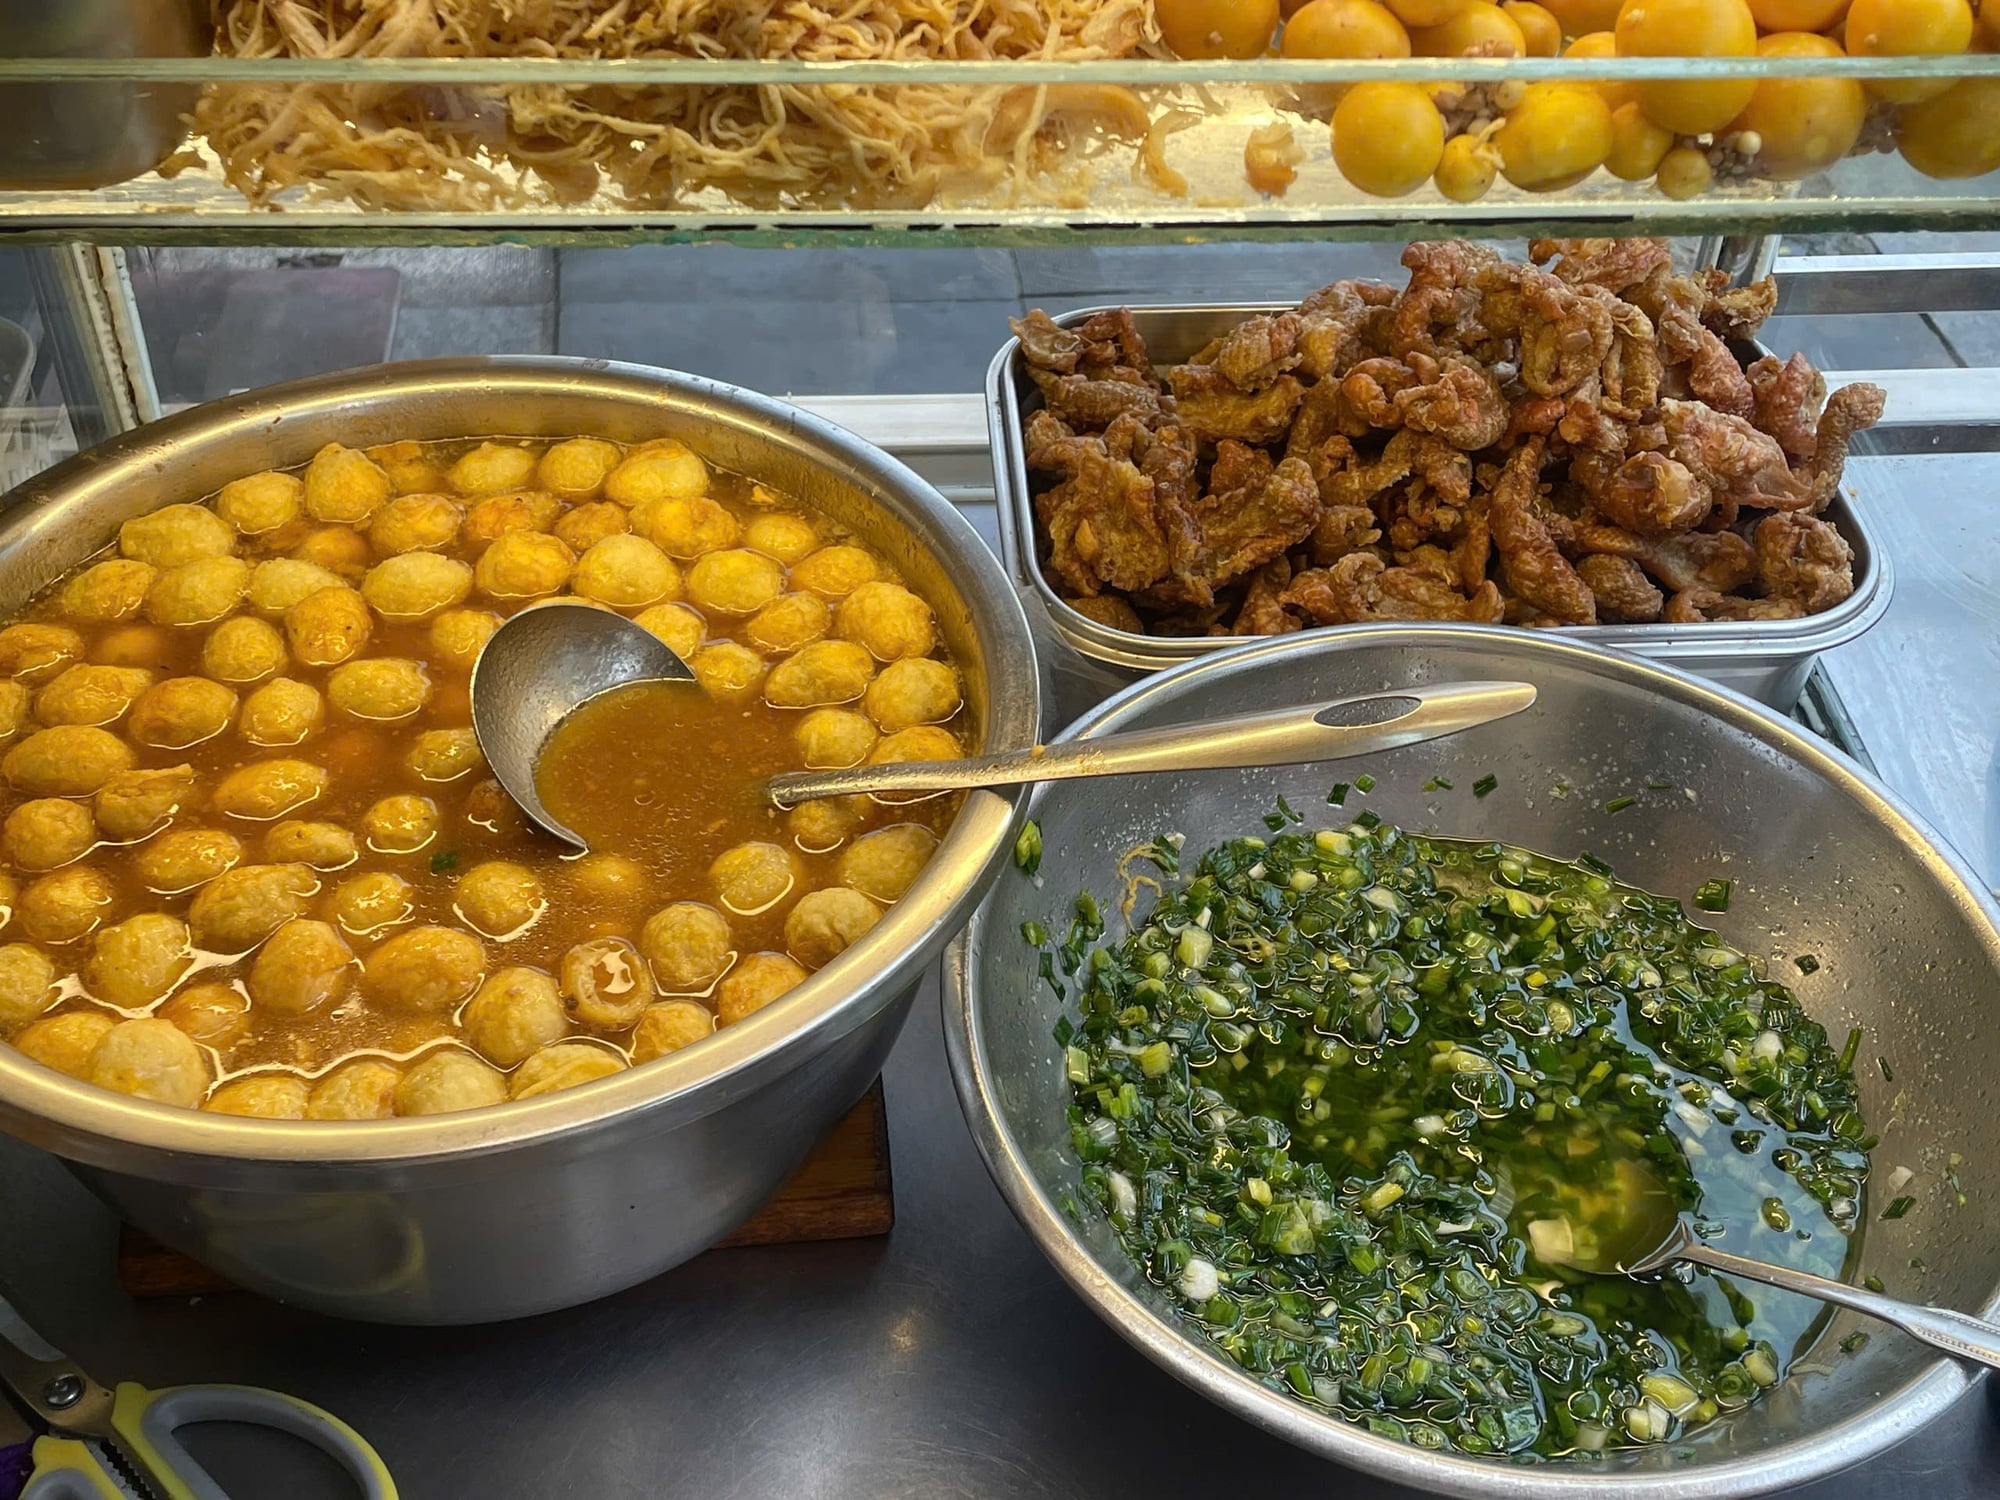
x=1359, y=725
x=1957, y=1334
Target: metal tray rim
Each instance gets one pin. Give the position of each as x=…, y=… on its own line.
x=1772, y=643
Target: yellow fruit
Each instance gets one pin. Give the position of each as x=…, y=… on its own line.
x=1802, y=125
x=1466, y=170
x=1217, y=28
x=1387, y=138
x=1956, y=134
x=1908, y=28
x=1986, y=33
x=1426, y=12
x=1797, y=15
x=1555, y=137
x=1684, y=173
x=1580, y=18
x=1480, y=30
x=1690, y=28
x=1604, y=44
x=1344, y=28
x=1637, y=144
x=1538, y=25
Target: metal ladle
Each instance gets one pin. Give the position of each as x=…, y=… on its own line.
x=546, y=662
x=1656, y=1236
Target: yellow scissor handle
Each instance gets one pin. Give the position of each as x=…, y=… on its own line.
x=67, y=1469
x=147, y=1421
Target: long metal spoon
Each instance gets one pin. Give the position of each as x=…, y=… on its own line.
x=1362, y=725
x=546, y=662
x=1660, y=1237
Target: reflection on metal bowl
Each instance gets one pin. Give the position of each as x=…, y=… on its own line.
x=1824, y=861
x=553, y=1201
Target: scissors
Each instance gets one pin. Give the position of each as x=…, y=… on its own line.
x=65, y=1437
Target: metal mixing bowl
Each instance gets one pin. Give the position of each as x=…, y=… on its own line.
x=525, y=1207
x=1824, y=860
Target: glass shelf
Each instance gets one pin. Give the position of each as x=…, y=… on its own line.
x=426, y=150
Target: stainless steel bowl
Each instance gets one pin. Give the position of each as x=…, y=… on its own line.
x=1824, y=860
x=525, y=1207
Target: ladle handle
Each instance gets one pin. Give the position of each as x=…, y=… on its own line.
x=1957, y=1334
x=1362, y=725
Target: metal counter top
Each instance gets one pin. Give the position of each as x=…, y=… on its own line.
x=946, y=1360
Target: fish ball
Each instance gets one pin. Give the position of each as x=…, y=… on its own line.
x=753, y=984
x=344, y=486
x=262, y=1096
x=362, y=1090
x=328, y=627
x=240, y=908
x=448, y=1081
x=491, y=468
x=605, y=984
x=563, y=1066
x=150, y=1059
x=261, y=502
x=245, y=649
x=516, y=1012
x=670, y=1026
x=181, y=860
x=175, y=535
x=111, y=590
x=425, y=971
x=27, y=984
x=69, y=760
x=303, y=967
x=824, y=672
x=282, y=712
x=825, y=923
x=47, y=832
x=688, y=944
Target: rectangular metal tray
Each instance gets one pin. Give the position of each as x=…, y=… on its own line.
x=1765, y=659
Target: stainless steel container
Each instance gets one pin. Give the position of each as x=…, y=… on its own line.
x=68, y=133
x=1767, y=659
x=525, y=1207
x=1825, y=861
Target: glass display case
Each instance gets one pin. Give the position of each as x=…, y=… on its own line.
x=850, y=219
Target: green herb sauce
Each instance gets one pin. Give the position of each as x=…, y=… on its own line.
x=1342, y=1092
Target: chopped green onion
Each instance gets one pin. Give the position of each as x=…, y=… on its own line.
x=443, y=860
x=1285, y=808
x=1591, y=862
x=1854, y=1342
x=1888, y=1076
x=1900, y=1207
x=1657, y=785
x=1338, y=795
x=1034, y=934
x=1438, y=784
x=1713, y=895
x=1368, y=819
x=1807, y=963
x=1847, y=1053
x=1619, y=804
x=1873, y=1283
x=1364, y=783
x=1028, y=848
x=1484, y=785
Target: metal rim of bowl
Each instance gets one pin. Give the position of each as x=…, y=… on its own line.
x=1893, y=1416
x=79, y=1120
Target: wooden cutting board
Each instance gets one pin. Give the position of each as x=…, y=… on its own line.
x=842, y=1192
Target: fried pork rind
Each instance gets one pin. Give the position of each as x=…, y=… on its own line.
x=1571, y=441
